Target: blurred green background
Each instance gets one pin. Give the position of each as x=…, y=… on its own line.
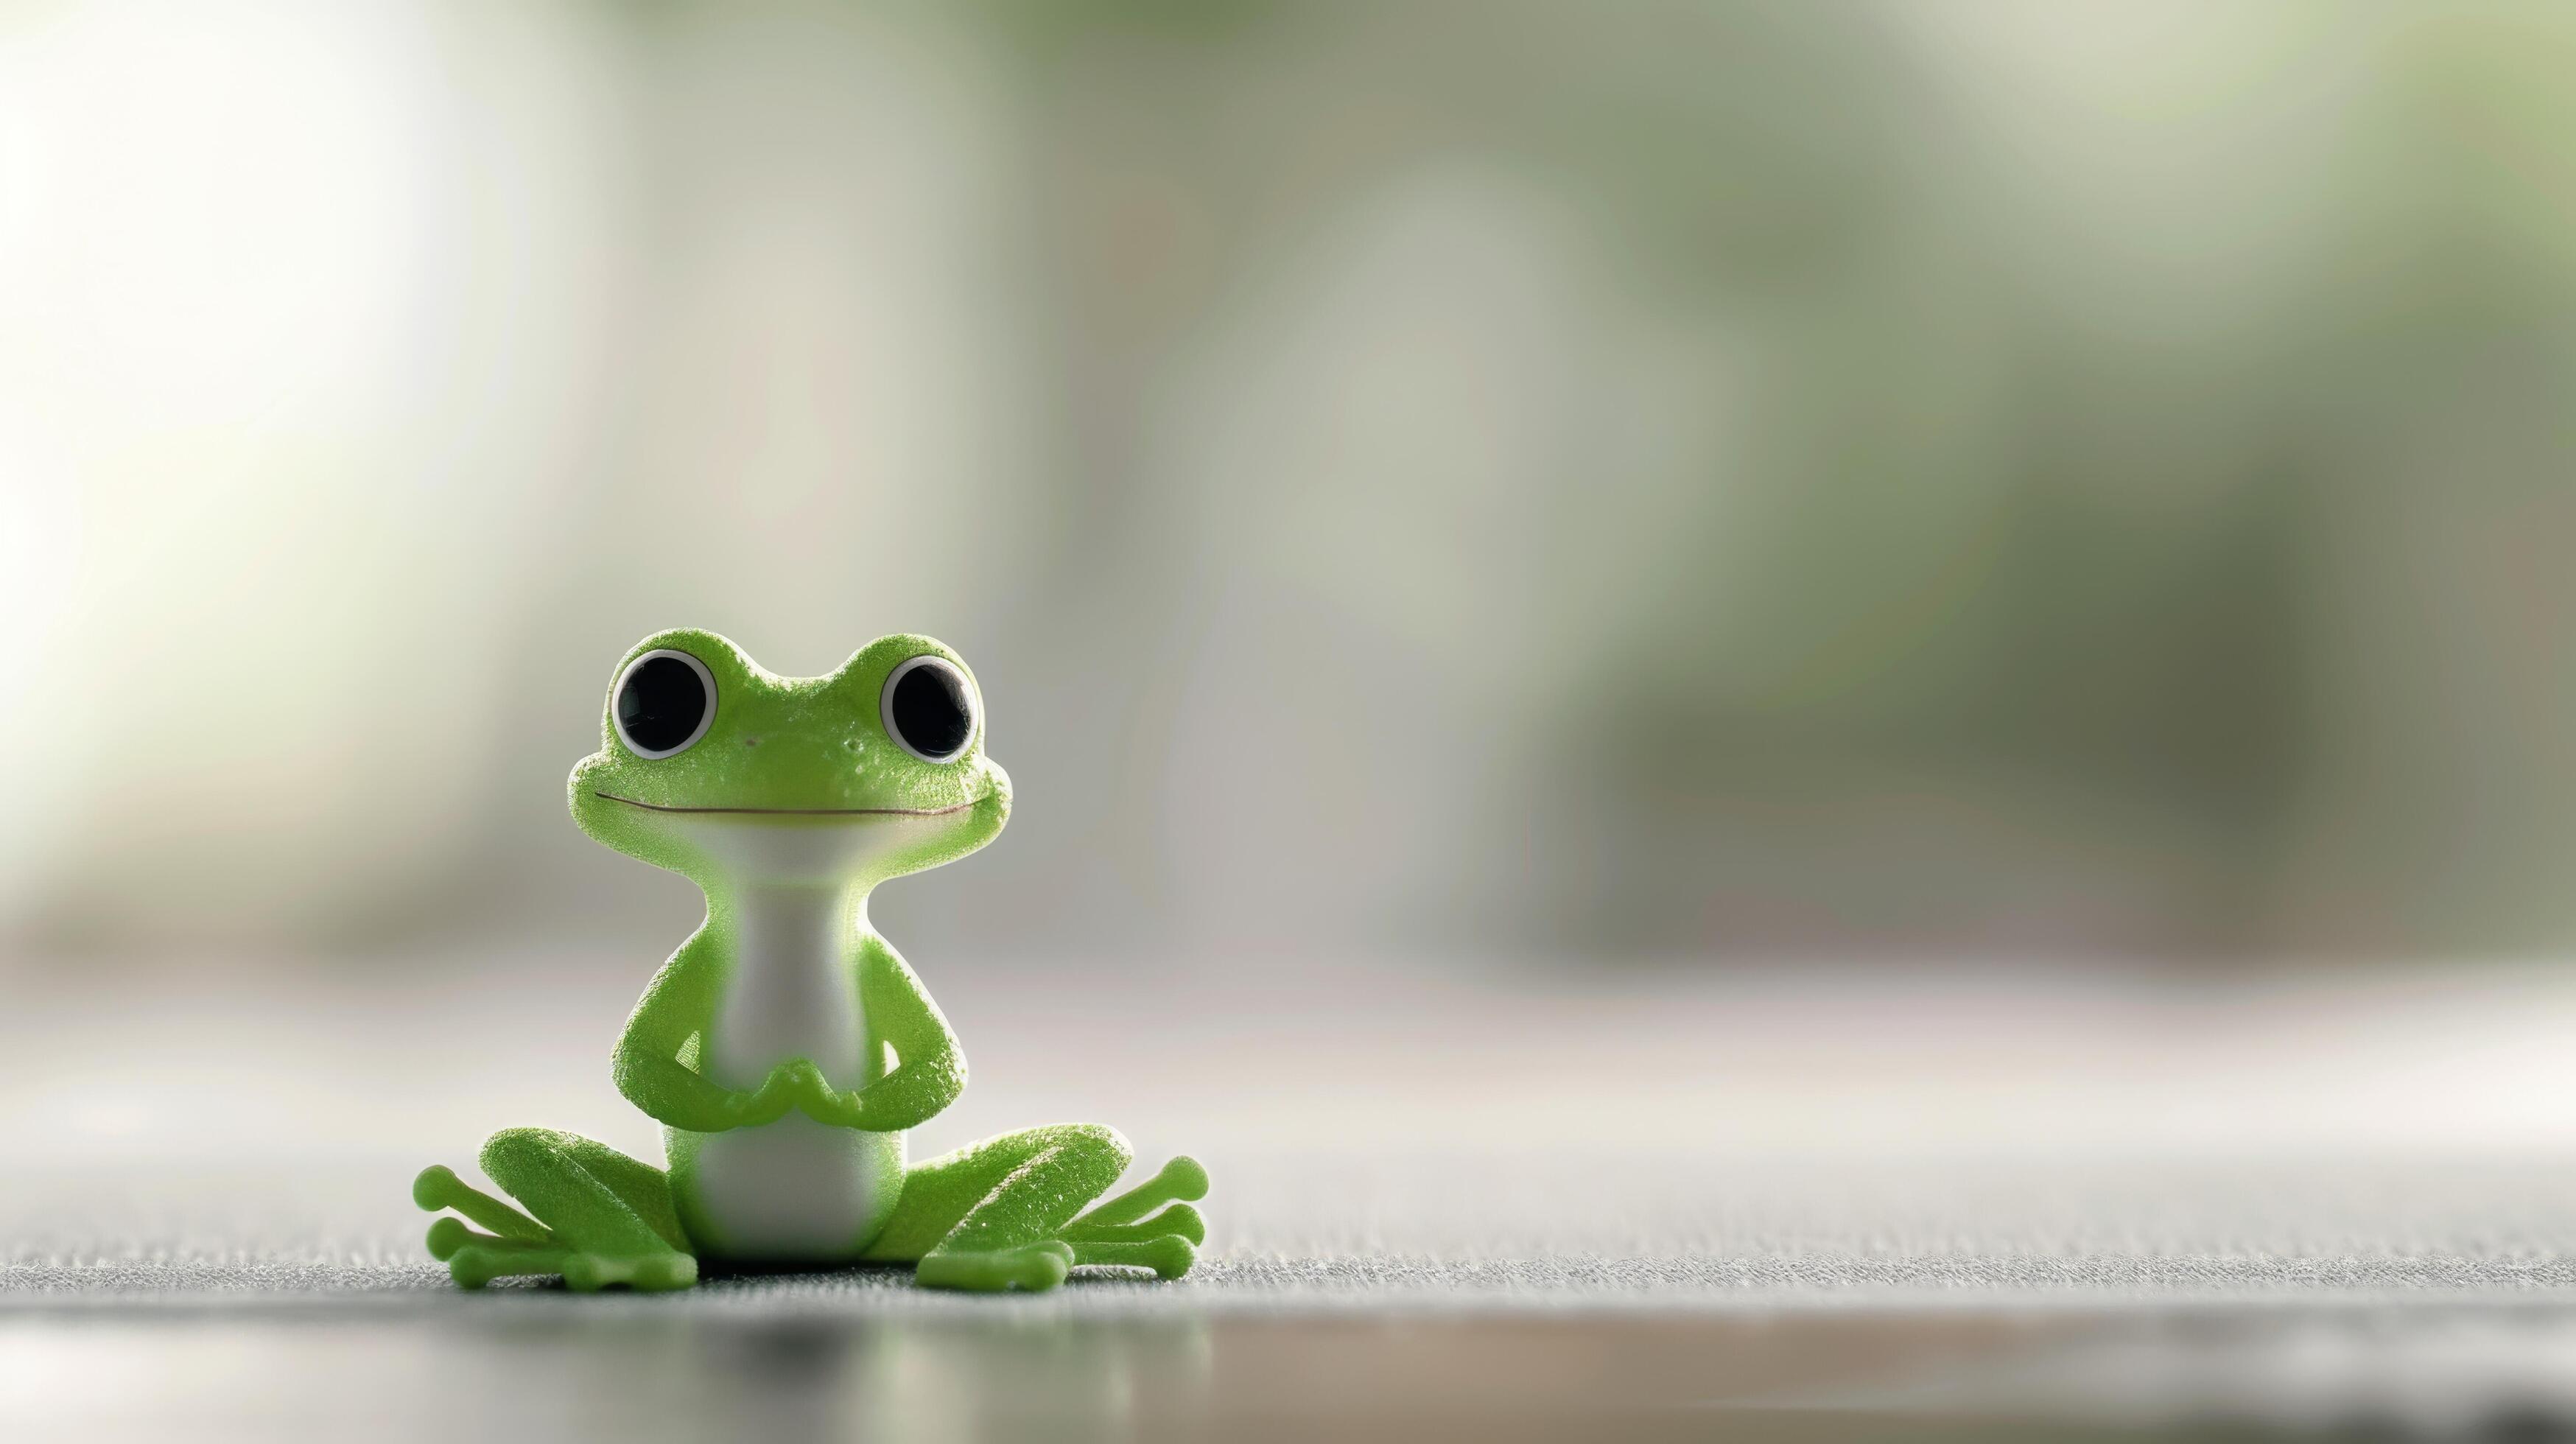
x=1651, y=481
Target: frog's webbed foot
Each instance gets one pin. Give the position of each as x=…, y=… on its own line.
x=1000, y=1214
x=474, y=1259
x=607, y=1219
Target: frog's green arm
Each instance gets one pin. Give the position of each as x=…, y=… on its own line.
x=930, y=1072
x=676, y=1005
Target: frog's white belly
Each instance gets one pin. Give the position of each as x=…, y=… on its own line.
x=796, y=1188
x=790, y=1191
x=792, y=992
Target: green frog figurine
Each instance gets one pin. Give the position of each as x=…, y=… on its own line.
x=786, y=1047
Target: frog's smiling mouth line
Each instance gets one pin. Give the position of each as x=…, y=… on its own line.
x=797, y=811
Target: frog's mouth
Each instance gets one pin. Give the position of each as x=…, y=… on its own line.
x=795, y=811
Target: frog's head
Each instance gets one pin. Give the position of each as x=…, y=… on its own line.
x=713, y=767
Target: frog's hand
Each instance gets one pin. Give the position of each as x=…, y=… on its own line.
x=930, y=1071
x=905, y=1098
x=671, y=1092
x=676, y=1005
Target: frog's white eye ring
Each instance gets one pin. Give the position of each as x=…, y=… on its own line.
x=930, y=709
x=664, y=701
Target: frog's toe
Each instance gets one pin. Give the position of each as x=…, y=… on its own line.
x=475, y=1259
x=446, y=1236
x=436, y=1185
x=473, y=1265
x=1184, y=1178
x=1168, y=1255
x=1033, y=1268
x=663, y=1272
x=1180, y=1219
x=587, y=1273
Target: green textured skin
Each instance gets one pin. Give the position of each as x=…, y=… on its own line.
x=802, y=753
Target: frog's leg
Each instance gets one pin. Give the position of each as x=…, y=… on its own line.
x=601, y=1217
x=1001, y=1213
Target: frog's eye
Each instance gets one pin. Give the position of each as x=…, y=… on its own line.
x=665, y=702
x=929, y=709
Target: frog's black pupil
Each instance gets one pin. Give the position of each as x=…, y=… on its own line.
x=661, y=704
x=929, y=710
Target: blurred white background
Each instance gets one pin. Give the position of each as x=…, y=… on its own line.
x=1673, y=482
